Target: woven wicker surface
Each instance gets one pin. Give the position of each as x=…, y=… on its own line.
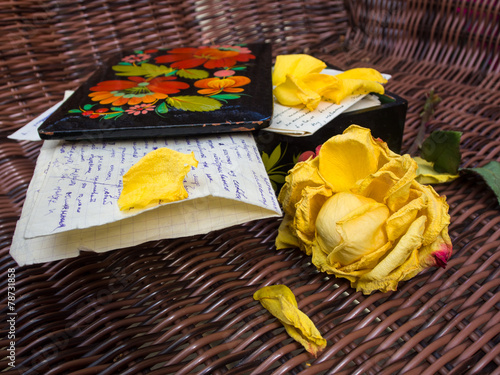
x=185, y=305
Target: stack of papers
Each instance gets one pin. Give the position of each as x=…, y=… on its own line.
x=71, y=203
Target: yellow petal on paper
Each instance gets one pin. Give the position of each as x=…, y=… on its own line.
x=293, y=91
x=156, y=178
x=280, y=301
x=298, y=65
x=320, y=83
x=362, y=73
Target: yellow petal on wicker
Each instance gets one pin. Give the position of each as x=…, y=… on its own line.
x=343, y=161
x=294, y=92
x=350, y=87
x=156, y=178
x=298, y=65
x=426, y=174
x=362, y=73
x=280, y=301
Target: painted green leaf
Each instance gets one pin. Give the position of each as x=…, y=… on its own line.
x=138, y=51
x=239, y=68
x=146, y=70
x=226, y=96
x=88, y=106
x=265, y=159
x=74, y=111
x=275, y=156
x=443, y=149
x=112, y=115
x=278, y=178
x=192, y=73
x=124, y=63
x=162, y=108
x=490, y=174
x=117, y=109
x=194, y=103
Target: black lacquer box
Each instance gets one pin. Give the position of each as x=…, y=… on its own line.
x=170, y=92
x=281, y=152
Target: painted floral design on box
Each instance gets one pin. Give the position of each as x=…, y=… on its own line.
x=156, y=80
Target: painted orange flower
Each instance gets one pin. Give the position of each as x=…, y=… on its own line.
x=210, y=57
x=213, y=86
x=135, y=90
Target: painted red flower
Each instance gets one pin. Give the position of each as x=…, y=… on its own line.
x=209, y=57
x=136, y=90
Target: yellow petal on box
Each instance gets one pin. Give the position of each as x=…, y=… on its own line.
x=156, y=178
x=280, y=301
x=362, y=73
x=298, y=65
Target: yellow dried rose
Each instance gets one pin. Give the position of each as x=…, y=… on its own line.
x=156, y=178
x=280, y=301
x=298, y=80
x=359, y=212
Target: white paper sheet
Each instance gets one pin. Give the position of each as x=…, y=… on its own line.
x=71, y=202
x=29, y=132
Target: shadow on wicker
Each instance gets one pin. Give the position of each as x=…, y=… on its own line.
x=185, y=305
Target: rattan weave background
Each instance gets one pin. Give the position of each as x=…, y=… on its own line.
x=185, y=305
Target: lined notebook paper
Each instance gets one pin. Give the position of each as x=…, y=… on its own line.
x=71, y=201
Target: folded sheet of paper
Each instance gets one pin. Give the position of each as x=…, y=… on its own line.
x=29, y=132
x=300, y=121
x=71, y=201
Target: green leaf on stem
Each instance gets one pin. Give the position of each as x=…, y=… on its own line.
x=490, y=174
x=443, y=149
